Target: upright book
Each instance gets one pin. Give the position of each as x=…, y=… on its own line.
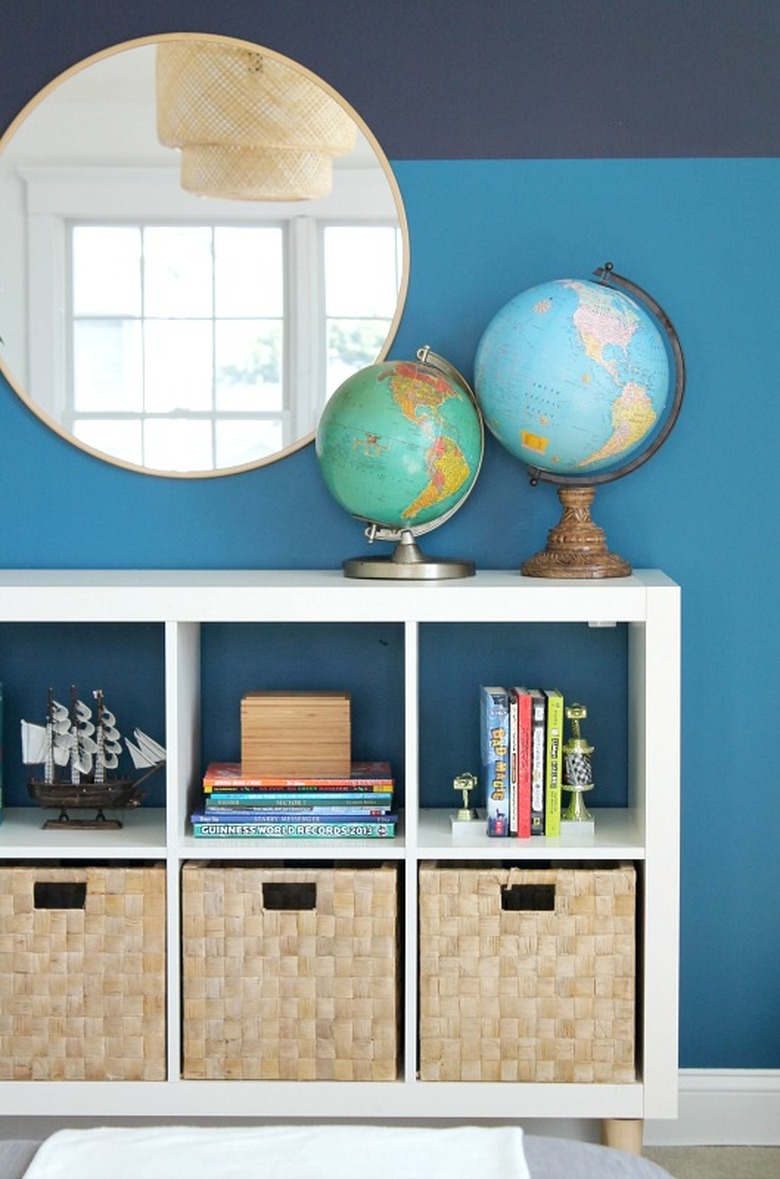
x=521, y=758
x=538, y=751
x=494, y=739
x=512, y=698
x=553, y=763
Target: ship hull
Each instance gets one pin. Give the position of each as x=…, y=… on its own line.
x=95, y=796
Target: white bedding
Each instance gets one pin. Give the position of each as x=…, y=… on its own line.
x=283, y=1152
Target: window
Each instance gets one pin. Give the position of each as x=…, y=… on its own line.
x=184, y=334
x=362, y=278
x=177, y=337
x=179, y=354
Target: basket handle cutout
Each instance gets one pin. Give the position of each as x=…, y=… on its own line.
x=289, y=895
x=537, y=897
x=62, y=894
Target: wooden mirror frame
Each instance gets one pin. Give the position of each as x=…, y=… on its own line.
x=28, y=396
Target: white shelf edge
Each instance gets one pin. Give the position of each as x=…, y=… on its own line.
x=286, y=596
x=321, y=1099
x=618, y=835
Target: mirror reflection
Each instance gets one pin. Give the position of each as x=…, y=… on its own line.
x=190, y=267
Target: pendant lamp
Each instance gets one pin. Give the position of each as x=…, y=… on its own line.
x=249, y=126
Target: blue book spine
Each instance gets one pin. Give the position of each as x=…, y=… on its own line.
x=295, y=817
x=494, y=736
x=302, y=798
x=294, y=830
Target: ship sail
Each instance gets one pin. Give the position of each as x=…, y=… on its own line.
x=35, y=743
x=44, y=743
x=146, y=752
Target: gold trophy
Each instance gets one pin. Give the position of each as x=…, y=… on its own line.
x=577, y=775
x=463, y=821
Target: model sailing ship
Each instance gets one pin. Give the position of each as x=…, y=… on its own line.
x=79, y=752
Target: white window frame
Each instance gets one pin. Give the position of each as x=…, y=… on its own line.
x=58, y=196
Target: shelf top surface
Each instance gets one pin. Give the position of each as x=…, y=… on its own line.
x=326, y=594
x=22, y=836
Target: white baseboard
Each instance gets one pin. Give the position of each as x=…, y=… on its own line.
x=723, y=1107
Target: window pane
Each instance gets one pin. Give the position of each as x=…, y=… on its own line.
x=249, y=366
x=352, y=344
x=249, y=272
x=106, y=263
x=178, y=445
x=178, y=366
x=120, y=438
x=107, y=366
x=177, y=271
x=361, y=276
x=240, y=442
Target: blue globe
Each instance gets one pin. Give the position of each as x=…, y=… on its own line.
x=573, y=377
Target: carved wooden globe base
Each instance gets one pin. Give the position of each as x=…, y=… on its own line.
x=576, y=547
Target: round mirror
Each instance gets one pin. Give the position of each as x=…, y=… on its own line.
x=199, y=241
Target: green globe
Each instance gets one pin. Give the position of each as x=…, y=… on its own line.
x=573, y=376
x=400, y=444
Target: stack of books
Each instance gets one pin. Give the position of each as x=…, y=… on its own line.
x=521, y=732
x=236, y=804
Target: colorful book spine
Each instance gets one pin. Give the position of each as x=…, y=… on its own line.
x=1, y=753
x=296, y=787
x=538, y=749
x=302, y=817
x=365, y=775
x=301, y=798
x=494, y=728
x=293, y=830
x=523, y=761
x=513, y=751
x=296, y=808
x=553, y=763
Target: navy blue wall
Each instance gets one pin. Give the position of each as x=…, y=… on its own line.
x=531, y=140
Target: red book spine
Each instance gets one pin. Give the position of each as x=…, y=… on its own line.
x=523, y=763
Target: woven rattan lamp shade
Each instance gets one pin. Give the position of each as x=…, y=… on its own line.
x=249, y=126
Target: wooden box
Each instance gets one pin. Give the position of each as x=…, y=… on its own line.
x=296, y=734
x=527, y=973
x=290, y=973
x=82, y=973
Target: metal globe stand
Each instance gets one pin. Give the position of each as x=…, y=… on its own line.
x=577, y=547
x=407, y=562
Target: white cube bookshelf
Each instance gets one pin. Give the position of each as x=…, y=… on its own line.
x=644, y=831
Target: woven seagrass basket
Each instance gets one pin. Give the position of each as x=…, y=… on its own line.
x=82, y=973
x=290, y=973
x=527, y=973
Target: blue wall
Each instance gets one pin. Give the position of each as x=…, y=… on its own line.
x=532, y=140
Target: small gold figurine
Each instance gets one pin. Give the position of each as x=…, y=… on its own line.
x=577, y=771
x=465, y=783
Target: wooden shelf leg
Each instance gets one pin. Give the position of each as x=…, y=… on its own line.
x=623, y=1134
